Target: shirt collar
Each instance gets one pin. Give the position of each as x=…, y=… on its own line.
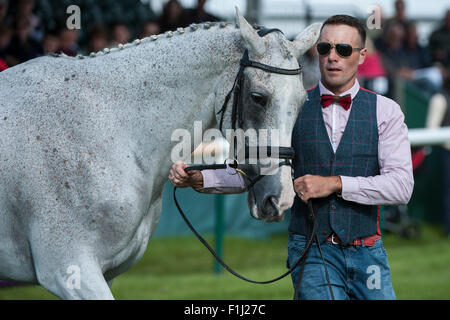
x=352, y=91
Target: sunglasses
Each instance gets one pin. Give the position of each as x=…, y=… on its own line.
x=344, y=50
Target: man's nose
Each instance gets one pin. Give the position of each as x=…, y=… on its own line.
x=333, y=55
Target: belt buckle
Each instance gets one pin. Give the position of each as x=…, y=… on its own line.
x=332, y=239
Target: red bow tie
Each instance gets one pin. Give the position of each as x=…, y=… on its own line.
x=344, y=101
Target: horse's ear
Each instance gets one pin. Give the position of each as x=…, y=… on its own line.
x=306, y=39
x=253, y=42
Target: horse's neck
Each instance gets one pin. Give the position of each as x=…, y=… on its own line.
x=172, y=82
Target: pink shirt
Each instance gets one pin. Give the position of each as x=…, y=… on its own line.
x=395, y=183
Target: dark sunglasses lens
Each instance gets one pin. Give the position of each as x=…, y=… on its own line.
x=323, y=48
x=344, y=50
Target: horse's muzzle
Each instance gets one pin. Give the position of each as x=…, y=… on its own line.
x=270, y=211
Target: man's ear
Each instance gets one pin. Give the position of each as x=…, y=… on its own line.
x=362, y=55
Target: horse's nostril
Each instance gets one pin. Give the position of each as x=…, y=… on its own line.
x=271, y=211
x=271, y=206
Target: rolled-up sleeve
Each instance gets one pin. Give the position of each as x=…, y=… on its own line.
x=394, y=185
x=222, y=181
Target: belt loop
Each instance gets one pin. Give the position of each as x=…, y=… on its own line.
x=362, y=242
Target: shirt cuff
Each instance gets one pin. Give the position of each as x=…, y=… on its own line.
x=226, y=180
x=209, y=179
x=350, y=187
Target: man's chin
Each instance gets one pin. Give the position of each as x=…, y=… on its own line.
x=335, y=84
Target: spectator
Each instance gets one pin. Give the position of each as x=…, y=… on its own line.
x=199, y=14
x=392, y=55
x=50, y=43
x=120, y=34
x=98, y=39
x=400, y=14
x=22, y=47
x=3, y=65
x=416, y=56
x=5, y=39
x=439, y=116
x=3, y=10
x=68, y=42
x=439, y=42
x=173, y=16
x=371, y=73
x=24, y=9
x=150, y=28
x=417, y=61
x=404, y=58
x=398, y=18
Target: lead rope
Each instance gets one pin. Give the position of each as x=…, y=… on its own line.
x=229, y=269
x=325, y=267
x=312, y=217
x=312, y=236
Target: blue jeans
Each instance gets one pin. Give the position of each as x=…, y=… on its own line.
x=355, y=272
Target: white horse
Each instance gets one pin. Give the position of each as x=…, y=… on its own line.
x=85, y=145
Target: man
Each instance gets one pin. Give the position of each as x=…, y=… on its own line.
x=439, y=42
x=352, y=154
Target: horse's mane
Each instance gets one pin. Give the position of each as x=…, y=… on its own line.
x=166, y=35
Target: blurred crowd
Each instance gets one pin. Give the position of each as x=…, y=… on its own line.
x=32, y=28
x=396, y=52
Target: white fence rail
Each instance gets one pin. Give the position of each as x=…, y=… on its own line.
x=428, y=137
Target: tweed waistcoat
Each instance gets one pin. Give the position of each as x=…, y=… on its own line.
x=356, y=155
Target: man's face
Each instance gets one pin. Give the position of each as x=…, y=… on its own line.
x=338, y=73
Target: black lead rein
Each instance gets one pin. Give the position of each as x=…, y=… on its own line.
x=312, y=237
x=310, y=240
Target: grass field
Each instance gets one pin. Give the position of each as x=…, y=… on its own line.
x=181, y=268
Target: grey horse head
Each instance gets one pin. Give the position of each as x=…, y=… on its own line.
x=270, y=104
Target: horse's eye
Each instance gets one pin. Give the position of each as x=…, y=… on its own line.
x=258, y=99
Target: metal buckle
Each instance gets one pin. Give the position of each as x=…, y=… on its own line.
x=332, y=239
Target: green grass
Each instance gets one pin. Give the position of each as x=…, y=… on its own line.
x=181, y=268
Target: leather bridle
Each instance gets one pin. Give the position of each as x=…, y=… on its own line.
x=284, y=153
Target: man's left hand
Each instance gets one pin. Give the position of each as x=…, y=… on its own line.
x=311, y=186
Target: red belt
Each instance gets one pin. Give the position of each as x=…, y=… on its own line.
x=367, y=241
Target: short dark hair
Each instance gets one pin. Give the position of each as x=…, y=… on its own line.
x=349, y=21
